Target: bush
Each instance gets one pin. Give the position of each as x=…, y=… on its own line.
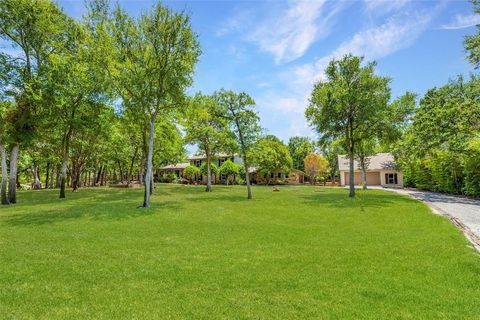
x=182, y=181
x=168, y=177
x=191, y=172
x=213, y=168
x=25, y=187
x=278, y=181
x=471, y=171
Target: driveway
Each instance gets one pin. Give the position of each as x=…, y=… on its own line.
x=463, y=212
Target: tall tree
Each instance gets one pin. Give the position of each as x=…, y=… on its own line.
x=343, y=105
x=315, y=166
x=271, y=155
x=4, y=105
x=36, y=28
x=205, y=127
x=152, y=62
x=472, y=43
x=299, y=148
x=75, y=92
x=244, y=121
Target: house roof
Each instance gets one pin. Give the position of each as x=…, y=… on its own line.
x=202, y=156
x=380, y=161
x=176, y=166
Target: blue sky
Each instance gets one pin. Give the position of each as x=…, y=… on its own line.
x=276, y=50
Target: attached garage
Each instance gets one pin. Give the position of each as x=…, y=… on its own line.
x=373, y=178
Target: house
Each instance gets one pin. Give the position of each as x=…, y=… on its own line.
x=381, y=171
x=293, y=177
x=176, y=169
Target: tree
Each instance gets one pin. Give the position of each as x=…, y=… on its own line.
x=299, y=148
x=331, y=151
x=76, y=94
x=206, y=170
x=230, y=168
x=36, y=28
x=205, y=127
x=237, y=108
x=152, y=62
x=315, y=166
x=347, y=103
x=4, y=105
x=439, y=150
x=472, y=43
x=271, y=155
x=191, y=172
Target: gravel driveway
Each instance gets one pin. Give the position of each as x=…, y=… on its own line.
x=464, y=212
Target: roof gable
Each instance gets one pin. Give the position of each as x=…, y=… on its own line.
x=380, y=161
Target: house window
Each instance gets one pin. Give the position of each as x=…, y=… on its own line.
x=391, y=178
x=271, y=175
x=197, y=163
x=279, y=175
x=220, y=162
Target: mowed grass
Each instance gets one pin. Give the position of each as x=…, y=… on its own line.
x=304, y=252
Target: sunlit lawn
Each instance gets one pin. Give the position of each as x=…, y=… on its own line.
x=302, y=252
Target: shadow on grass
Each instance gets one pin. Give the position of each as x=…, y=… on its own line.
x=361, y=200
x=93, y=211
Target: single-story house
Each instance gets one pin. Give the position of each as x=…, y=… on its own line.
x=381, y=171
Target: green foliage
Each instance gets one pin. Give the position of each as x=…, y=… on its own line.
x=439, y=150
x=204, y=170
x=206, y=127
x=472, y=43
x=471, y=172
x=299, y=148
x=230, y=168
x=350, y=102
x=191, y=172
x=238, y=109
x=168, y=177
x=271, y=155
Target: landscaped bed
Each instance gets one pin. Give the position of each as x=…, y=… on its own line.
x=295, y=253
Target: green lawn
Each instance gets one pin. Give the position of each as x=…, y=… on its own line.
x=302, y=252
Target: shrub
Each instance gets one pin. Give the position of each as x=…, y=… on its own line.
x=471, y=171
x=213, y=168
x=168, y=177
x=191, y=172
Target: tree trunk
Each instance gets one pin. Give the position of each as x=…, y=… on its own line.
x=52, y=178
x=247, y=176
x=37, y=184
x=47, y=175
x=364, y=172
x=63, y=178
x=148, y=174
x=4, y=198
x=12, y=183
x=351, y=174
x=209, y=172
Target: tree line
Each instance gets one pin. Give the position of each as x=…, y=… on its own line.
x=103, y=98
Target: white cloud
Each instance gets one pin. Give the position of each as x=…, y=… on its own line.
x=288, y=33
x=395, y=34
x=384, y=6
x=462, y=21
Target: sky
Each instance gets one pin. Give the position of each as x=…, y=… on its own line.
x=276, y=50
